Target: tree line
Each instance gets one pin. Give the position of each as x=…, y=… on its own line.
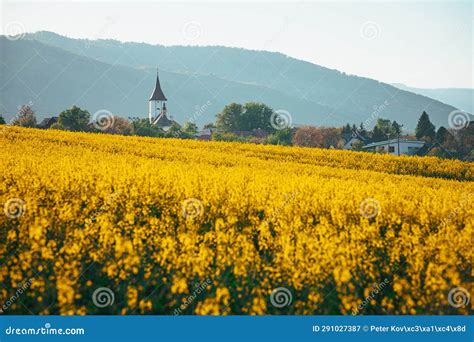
x=236, y=119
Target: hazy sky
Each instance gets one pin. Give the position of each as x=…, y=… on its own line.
x=422, y=44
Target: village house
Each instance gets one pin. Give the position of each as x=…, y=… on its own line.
x=395, y=147
x=47, y=122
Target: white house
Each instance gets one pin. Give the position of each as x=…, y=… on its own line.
x=348, y=145
x=408, y=147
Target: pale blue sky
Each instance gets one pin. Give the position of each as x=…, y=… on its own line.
x=421, y=44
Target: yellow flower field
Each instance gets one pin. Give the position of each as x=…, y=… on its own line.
x=167, y=226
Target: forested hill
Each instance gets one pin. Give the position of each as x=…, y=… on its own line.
x=107, y=74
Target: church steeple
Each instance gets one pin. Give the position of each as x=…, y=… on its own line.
x=157, y=94
x=157, y=104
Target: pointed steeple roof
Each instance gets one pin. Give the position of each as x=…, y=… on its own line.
x=157, y=93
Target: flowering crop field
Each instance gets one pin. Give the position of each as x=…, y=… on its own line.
x=103, y=224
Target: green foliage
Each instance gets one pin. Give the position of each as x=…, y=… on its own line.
x=362, y=131
x=441, y=135
x=229, y=119
x=25, y=117
x=190, y=128
x=2, y=120
x=396, y=128
x=378, y=135
x=424, y=128
x=143, y=127
x=210, y=125
x=384, y=129
x=237, y=117
x=74, y=119
x=280, y=137
x=56, y=125
x=175, y=132
x=226, y=136
x=346, y=129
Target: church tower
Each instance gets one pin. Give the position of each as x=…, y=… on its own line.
x=157, y=103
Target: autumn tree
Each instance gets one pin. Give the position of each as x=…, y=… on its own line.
x=118, y=125
x=323, y=137
x=25, y=117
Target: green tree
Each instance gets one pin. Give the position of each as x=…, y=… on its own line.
x=378, y=134
x=2, y=120
x=74, y=119
x=385, y=127
x=256, y=115
x=346, y=129
x=362, y=131
x=425, y=128
x=210, y=125
x=280, y=137
x=190, y=128
x=396, y=128
x=175, y=132
x=252, y=115
x=229, y=119
x=143, y=127
x=441, y=135
x=25, y=117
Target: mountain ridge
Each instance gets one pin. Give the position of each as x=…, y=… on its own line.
x=313, y=94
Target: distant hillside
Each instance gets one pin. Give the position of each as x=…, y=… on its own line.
x=56, y=72
x=461, y=98
x=54, y=79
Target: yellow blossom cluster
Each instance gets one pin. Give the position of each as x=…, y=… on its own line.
x=151, y=219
